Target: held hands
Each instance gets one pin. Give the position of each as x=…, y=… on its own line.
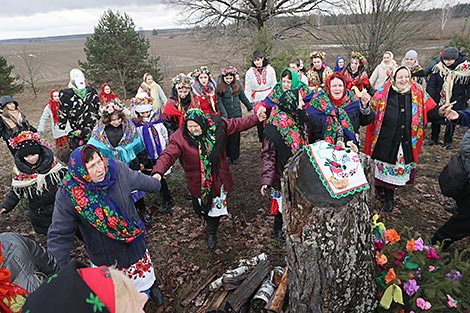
x=365, y=98
x=157, y=176
x=2, y=210
x=261, y=113
x=446, y=111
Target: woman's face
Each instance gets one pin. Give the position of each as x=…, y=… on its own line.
x=341, y=62
x=183, y=92
x=95, y=168
x=449, y=62
x=107, y=89
x=55, y=96
x=11, y=106
x=258, y=62
x=115, y=120
x=228, y=79
x=336, y=88
x=402, y=78
x=387, y=58
x=149, y=79
x=317, y=62
x=294, y=67
x=286, y=83
x=194, y=128
x=203, y=79
x=32, y=158
x=409, y=62
x=354, y=65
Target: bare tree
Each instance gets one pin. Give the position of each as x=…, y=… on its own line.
x=254, y=12
x=446, y=12
x=374, y=26
x=30, y=71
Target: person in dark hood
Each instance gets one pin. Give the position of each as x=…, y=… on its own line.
x=449, y=82
x=35, y=176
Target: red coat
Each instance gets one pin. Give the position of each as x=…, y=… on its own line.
x=207, y=103
x=179, y=147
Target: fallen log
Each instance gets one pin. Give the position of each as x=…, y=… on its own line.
x=196, y=292
x=243, y=294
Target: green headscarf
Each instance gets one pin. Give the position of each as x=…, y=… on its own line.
x=277, y=91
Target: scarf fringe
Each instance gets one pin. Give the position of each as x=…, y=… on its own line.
x=37, y=186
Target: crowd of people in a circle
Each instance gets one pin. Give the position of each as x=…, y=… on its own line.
x=108, y=155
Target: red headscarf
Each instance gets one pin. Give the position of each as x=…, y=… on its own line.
x=54, y=106
x=340, y=101
x=106, y=97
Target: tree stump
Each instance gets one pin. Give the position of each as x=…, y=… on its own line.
x=329, y=243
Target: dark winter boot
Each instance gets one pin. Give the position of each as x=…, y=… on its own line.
x=144, y=213
x=212, y=225
x=380, y=192
x=388, y=205
x=156, y=294
x=277, y=228
x=168, y=201
x=167, y=206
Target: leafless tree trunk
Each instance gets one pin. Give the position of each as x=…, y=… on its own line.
x=30, y=72
x=446, y=13
x=374, y=26
x=329, y=244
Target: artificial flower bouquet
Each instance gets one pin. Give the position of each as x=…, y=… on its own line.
x=415, y=277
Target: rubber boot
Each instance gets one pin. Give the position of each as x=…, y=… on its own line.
x=388, y=205
x=144, y=213
x=277, y=228
x=212, y=225
x=156, y=294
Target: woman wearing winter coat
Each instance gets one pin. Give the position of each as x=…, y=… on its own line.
x=335, y=113
x=417, y=72
x=95, y=197
x=204, y=91
x=395, y=137
x=383, y=71
x=35, y=176
x=355, y=74
x=106, y=95
x=229, y=94
x=285, y=133
x=319, y=71
x=181, y=100
x=449, y=82
x=50, y=112
x=78, y=105
x=12, y=120
x=155, y=91
x=200, y=145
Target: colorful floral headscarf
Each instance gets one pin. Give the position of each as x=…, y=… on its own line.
x=209, y=144
x=92, y=200
x=12, y=296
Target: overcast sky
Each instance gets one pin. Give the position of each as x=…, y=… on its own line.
x=31, y=18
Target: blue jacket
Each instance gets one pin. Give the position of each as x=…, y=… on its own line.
x=101, y=249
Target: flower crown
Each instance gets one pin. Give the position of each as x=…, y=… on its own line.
x=232, y=70
x=26, y=136
x=111, y=107
x=359, y=56
x=202, y=69
x=317, y=54
x=181, y=81
x=140, y=99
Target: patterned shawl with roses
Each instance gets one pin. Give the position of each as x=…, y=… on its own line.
x=93, y=203
x=285, y=126
x=336, y=118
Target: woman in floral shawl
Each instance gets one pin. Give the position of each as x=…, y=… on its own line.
x=285, y=134
x=395, y=137
x=95, y=196
x=336, y=113
x=117, y=138
x=200, y=145
x=319, y=71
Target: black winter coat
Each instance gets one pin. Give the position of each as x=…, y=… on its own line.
x=29, y=263
x=6, y=132
x=80, y=113
x=229, y=104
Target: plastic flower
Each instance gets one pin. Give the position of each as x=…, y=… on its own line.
x=431, y=254
x=431, y=268
x=410, y=287
x=419, y=244
x=423, y=304
x=410, y=245
x=392, y=236
x=391, y=276
x=381, y=259
x=451, y=302
x=453, y=275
